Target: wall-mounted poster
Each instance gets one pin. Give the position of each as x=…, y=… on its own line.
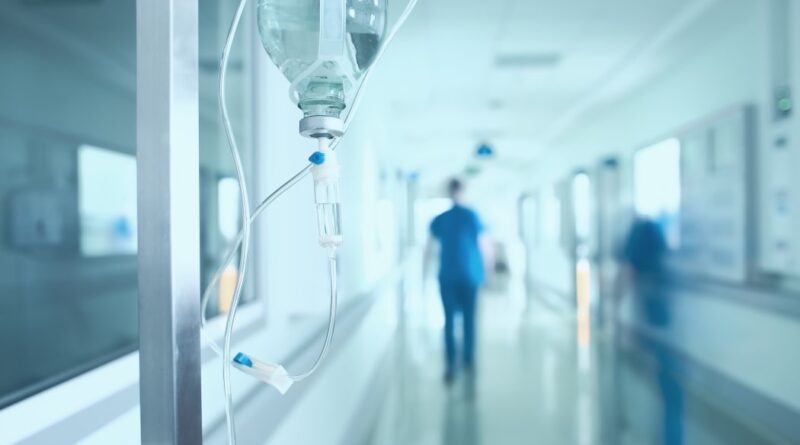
x=714, y=215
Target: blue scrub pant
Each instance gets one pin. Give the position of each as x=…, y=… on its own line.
x=459, y=297
x=672, y=395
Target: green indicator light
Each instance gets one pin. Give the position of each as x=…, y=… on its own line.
x=472, y=170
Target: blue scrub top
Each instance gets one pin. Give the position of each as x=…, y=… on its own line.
x=457, y=231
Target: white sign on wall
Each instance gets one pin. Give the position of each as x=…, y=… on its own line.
x=714, y=204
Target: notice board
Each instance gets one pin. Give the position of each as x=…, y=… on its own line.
x=715, y=176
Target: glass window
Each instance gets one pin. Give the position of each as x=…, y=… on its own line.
x=229, y=216
x=68, y=277
x=68, y=271
x=106, y=202
x=582, y=207
x=219, y=191
x=657, y=186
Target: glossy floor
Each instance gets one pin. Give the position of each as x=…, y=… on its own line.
x=538, y=381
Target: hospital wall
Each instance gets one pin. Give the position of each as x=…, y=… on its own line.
x=750, y=344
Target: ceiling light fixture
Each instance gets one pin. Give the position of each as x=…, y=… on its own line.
x=527, y=60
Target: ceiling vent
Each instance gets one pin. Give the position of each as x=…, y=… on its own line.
x=527, y=60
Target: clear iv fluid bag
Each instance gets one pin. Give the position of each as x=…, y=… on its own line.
x=322, y=46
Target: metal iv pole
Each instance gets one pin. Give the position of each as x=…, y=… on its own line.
x=168, y=213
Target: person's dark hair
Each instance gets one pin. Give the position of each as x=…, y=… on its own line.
x=454, y=187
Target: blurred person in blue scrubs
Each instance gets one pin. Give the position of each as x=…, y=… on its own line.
x=644, y=255
x=463, y=255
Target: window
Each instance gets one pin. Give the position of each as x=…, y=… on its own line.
x=657, y=187
x=68, y=227
x=219, y=191
x=582, y=207
x=229, y=214
x=68, y=273
x=106, y=202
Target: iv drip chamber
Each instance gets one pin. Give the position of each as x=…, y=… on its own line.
x=326, y=171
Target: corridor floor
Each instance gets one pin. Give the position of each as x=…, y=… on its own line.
x=537, y=381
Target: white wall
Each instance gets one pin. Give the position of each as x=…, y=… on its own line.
x=728, y=66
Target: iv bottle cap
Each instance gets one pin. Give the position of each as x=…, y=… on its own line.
x=321, y=127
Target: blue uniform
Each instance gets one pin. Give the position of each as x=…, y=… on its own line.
x=460, y=274
x=457, y=231
x=645, y=252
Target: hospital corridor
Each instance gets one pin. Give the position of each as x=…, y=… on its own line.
x=399, y=222
x=538, y=384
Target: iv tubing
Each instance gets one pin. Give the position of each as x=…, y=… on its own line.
x=238, y=242
x=245, y=244
x=331, y=319
x=243, y=240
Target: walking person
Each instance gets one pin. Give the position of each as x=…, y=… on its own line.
x=645, y=255
x=460, y=235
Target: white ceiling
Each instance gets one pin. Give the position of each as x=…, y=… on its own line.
x=438, y=84
x=444, y=94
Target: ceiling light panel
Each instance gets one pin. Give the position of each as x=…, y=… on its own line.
x=531, y=60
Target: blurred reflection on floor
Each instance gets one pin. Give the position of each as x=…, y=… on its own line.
x=532, y=384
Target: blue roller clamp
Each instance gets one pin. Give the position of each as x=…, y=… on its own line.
x=243, y=359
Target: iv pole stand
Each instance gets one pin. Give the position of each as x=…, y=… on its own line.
x=168, y=214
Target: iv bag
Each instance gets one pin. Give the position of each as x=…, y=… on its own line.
x=323, y=47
